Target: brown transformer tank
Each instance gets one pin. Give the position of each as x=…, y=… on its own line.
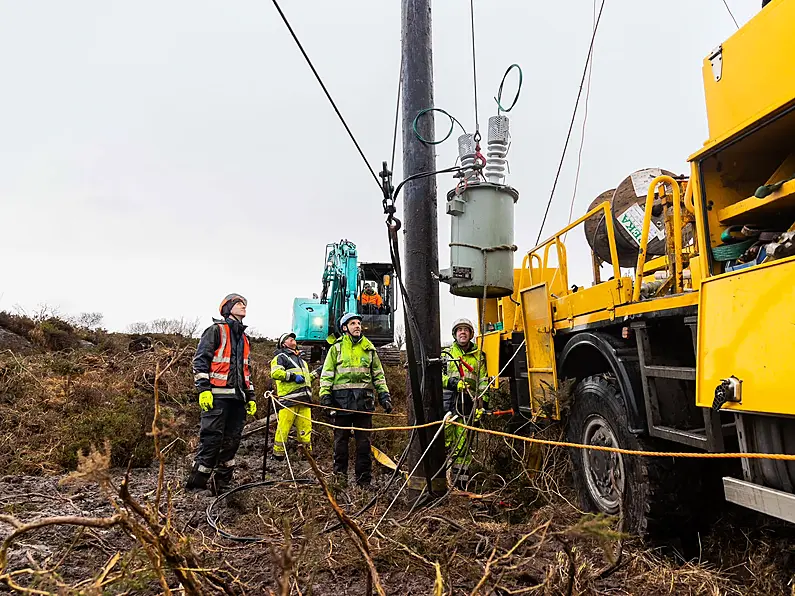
x=627, y=203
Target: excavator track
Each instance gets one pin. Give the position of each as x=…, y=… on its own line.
x=390, y=356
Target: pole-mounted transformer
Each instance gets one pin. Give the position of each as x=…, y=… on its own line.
x=482, y=210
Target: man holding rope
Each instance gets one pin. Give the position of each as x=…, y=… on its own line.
x=294, y=389
x=464, y=379
x=351, y=370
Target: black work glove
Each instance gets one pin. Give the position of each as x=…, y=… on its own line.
x=452, y=384
x=326, y=401
x=386, y=402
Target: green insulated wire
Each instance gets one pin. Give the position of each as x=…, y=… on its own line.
x=453, y=122
x=498, y=99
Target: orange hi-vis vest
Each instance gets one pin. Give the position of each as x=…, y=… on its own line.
x=219, y=367
x=373, y=299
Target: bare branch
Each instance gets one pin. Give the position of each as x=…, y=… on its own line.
x=353, y=530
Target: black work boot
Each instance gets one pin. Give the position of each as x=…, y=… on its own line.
x=198, y=477
x=222, y=480
x=460, y=476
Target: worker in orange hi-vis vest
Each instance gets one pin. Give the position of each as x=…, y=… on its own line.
x=370, y=298
x=222, y=374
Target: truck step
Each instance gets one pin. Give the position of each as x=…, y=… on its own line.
x=684, y=373
x=760, y=498
x=694, y=438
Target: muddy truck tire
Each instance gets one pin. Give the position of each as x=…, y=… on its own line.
x=657, y=496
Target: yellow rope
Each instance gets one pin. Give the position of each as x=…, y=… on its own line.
x=369, y=430
x=497, y=433
x=310, y=405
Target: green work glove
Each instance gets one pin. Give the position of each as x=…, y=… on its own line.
x=206, y=400
x=478, y=414
x=461, y=386
x=251, y=408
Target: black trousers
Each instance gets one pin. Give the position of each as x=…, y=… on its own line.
x=342, y=437
x=219, y=436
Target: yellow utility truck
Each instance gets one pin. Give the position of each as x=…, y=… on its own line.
x=685, y=338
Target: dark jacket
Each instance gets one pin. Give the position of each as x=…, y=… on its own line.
x=208, y=344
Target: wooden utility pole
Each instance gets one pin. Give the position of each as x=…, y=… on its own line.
x=421, y=244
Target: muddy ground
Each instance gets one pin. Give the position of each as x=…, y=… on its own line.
x=517, y=531
x=559, y=551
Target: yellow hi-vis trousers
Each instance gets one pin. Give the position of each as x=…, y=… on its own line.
x=303, y=426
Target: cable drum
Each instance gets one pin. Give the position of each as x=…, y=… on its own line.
x=628, y=203
x=595, y=229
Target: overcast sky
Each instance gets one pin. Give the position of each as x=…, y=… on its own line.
x=155, y=156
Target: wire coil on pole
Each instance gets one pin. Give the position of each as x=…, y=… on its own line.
x=498, y=99
x=453, y=122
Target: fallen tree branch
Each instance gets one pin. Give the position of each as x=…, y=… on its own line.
x=438, y=584
x=353, y=530
x=62, y=520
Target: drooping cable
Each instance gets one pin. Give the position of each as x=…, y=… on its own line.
x=213, y=518
x=413, y=332
x=582, y=131
x=453, y=122
x=439, y=431
x=571, y=123
x=395, y=473
x=326, y=91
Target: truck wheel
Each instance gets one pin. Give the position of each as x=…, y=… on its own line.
x=609, y=482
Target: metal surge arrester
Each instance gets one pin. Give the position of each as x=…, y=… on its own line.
x=497, y=149
x=467, y=153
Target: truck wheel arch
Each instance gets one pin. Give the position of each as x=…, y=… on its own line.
x=588, y=353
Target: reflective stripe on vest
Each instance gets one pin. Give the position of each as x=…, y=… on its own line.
x=219, y=367
x=351, y=377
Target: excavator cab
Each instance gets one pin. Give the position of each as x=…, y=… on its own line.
x=376, y=302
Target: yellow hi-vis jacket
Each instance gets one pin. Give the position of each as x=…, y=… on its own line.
x=285, y=367
x=350, y=373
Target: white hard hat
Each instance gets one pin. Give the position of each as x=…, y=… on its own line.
x=463, y=323
x=283, y=337
x=348, y=317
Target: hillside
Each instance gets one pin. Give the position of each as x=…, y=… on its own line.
x=77, y=440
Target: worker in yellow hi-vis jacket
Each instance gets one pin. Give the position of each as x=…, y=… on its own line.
x=351, y=372
x=294, y=390
x=464, y=386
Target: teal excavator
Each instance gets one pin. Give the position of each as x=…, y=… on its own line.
x=348, y=286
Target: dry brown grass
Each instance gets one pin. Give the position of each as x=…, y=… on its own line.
x=518, y=533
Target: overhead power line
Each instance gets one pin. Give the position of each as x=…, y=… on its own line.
x=573, y=118
x=326, y=91
x=726, y=4
x=582, y=132
x=397, y=113
x=474, y=63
